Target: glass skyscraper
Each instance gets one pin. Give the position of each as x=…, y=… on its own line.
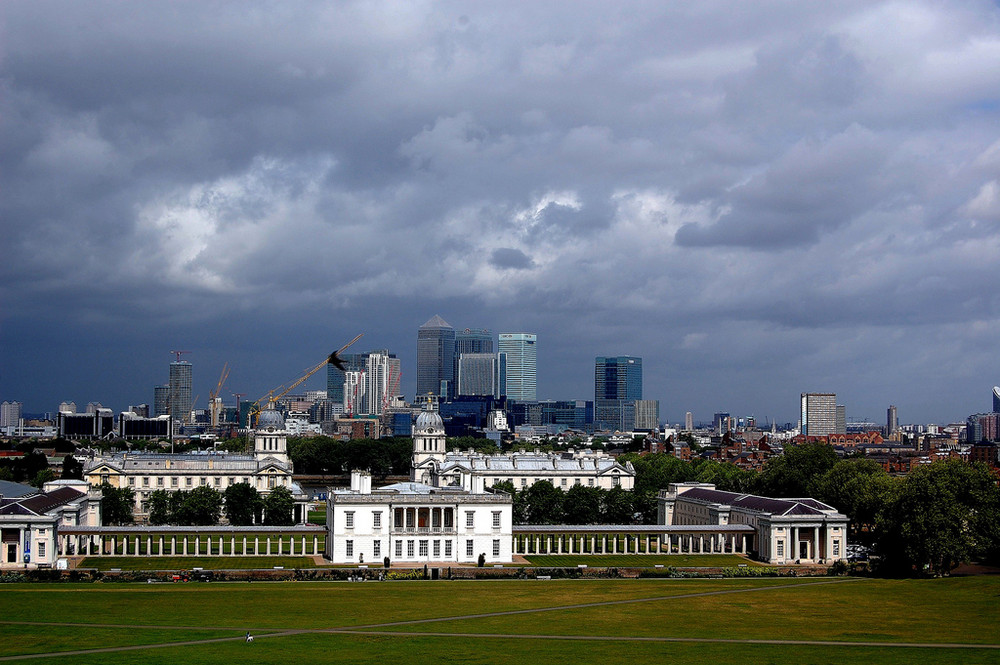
x=180, y=391
x=617, y=387
x=521, y=352
x=436, y=358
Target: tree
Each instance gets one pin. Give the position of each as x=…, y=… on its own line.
x=202, y=506
x=42, y=477
x=582, y=505
x=243, y=504
x=859, y=488
x=726, y=477
x=159, y=507
x=618, y=507
x=278, y=506
x=116, y=505
x=72, y=468
x=543, y=503
x=789, y=475
x=943, y=514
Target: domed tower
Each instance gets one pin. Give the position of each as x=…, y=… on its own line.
x=428, y=444
x=270, y=437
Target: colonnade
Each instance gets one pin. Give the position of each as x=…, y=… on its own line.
x=120, y=543
x=621, y=542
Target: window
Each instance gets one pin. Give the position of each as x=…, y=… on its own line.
x=496, y=519
x=470, y=548
x=781, y=548
x=350, y=548
x=349, y=519
x=470, y=519
x=437, y=549
x=218, y=481
x=41, y=549
x=576, y=481
x=616, y=481
x=447, y=549
x=836, y=548
x=496, y=548
x=423, y=548
x=189, y=481
x=145, y=481
x=524, y=482
x=562, y=482
x=159, y=481
x=377, y=519
x=131, y=480
x=173, y=482
x=409, y=549
x=204, y=481
x=399, y=549
x=377, y=548
x=590, y=482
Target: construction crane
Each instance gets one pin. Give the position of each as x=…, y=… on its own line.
x=214, y=401
x=274, y=395
x=178, y=354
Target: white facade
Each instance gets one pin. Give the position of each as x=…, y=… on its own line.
x=10, y=414
x=417, y=523
x=29, y=525
x=786, y=530
x=474, y=472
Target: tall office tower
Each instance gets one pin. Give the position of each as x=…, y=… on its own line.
x=647, y=414
x=688, y=422
x=522, y=366
x=501, y=387
x=354, y=362
x=996, y=399
x=354, y=392
x=477, y=374
x=617, y=380
x=892, y=420
x=818, y=414
x=436, y=358
x=381, y=381
x=141, y=410
x=161, y=401
x=67, y=407
x=473, y=341
x=721, y=423
x=840, y=427
x=179, y=406
x=10, y=414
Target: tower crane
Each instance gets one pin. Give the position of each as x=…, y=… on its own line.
x=274, y=395
x=214, y=401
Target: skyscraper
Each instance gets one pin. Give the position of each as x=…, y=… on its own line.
x=689, y=421
x=818, y=413
x=161, y=400
x=521, y=352
x=335, y=377
x=473, y=341
x=892, y=420
x=180, y=391
x=617, y=381
x=477, y=374
x=996, y=399
x=436, y=358
x=10, y=414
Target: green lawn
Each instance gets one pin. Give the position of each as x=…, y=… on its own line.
x=845, y=612
x=189, y=562
x=639, y=560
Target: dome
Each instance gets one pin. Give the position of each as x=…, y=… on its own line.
x=429, y=419
x=270, y=419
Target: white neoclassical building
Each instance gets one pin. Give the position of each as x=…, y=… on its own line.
x=473, y=472
x=30, y=522
x=416, y=523
x=785, y=530
x=268, y=467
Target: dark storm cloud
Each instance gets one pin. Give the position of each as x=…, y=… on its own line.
x=505, y=257
x=760, y=199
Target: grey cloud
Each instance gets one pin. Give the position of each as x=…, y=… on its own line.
x=507, y=257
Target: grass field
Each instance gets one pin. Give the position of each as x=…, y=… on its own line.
x=803, y=620
x=639, y=560
x=189, y=562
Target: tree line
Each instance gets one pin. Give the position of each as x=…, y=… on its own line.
x=925, y=522
x=202, y=506
x=324, y=455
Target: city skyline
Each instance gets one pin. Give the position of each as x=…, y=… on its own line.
x=758, y=199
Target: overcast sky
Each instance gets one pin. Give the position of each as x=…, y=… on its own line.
x=758, y=198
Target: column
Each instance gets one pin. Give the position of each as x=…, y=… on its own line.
x=303, y=551
x=315, y=545
x=185, y=544
x=795, y=543
x=701, y=544
x=269, y=545
x=256, y=545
